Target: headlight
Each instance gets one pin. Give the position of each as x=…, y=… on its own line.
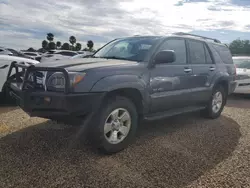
x=76, y=77
x=57, y=80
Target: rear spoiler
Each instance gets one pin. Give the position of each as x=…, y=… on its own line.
x=28, y=68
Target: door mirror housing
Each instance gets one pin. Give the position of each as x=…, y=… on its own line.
x=165, y=56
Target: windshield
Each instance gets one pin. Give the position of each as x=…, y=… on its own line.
x=242, y=63
x=131, y=49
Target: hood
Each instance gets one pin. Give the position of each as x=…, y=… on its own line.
x=85, y=63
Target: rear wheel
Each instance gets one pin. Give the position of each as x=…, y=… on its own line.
x=216, y=103
x=115, y=126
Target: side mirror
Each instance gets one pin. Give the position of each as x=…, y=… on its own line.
x=165, y=56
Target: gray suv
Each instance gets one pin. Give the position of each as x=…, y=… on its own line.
x=140, y=77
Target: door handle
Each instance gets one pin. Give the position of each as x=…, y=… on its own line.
x=187, y=70
x=212, y=68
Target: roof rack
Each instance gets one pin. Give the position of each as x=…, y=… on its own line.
x=182, y=33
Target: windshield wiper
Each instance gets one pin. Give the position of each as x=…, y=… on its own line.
x=115, y=57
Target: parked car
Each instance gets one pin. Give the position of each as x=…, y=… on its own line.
x=242, y=64
x=82, y=55
x=17, y=53
x=54, y=55
x=129, y=79
x=32, y=55
x=5, y=62
x=4, y=51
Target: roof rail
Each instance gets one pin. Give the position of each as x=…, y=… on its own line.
x=182, y=33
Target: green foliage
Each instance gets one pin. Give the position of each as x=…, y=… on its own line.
x=52, y=46
x=90, y=45
x=65, y=46
x=240, y=47
x=50, y=37
x=44, y=44
x=78, y=47
x=58, y=44
x=72, y=40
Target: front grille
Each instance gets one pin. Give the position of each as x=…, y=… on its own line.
x=36, y=80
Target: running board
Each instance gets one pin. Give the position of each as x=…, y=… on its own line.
x=173, y=112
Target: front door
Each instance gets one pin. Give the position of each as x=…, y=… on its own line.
x=204, y=70
x=170, y=82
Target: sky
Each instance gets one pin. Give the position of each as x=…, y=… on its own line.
x=25, y=23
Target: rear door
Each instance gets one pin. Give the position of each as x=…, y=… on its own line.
x=204, y=70
x=170, y=82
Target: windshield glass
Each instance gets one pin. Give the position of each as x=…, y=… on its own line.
x=131, y=49
x=242, y=63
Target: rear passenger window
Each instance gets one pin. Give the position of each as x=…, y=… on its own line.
x=208, y=56
x=179, y=47
x=224, y=53
x=197, y=52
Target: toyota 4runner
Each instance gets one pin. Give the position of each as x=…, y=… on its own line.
x=139, y=77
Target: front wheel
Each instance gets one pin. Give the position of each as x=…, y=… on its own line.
x=216, y=103
x=115, y=126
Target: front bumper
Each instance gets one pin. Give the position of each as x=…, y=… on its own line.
x=54, y=104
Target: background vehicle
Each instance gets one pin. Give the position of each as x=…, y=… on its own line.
x=128, y=79
x=82, y=55
x=17, y=53
x=4, y=51
x=32, y=55
x=242, y=64
x=5, y=62
x=54, y=55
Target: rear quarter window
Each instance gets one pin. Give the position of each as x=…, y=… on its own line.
x=224, y=53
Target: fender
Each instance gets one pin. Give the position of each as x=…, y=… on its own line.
x=111, y=83
x=219, y=77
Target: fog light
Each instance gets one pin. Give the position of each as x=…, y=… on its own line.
x=47, y=99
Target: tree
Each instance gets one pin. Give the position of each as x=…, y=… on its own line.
x=52, y=46
x=50, y=37
x=58, y=44
x=240, y=47
x=45, y=44
x=72, y=40
x=65, y=46
x=90, y=45
x=78, y=47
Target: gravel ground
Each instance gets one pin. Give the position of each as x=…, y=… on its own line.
x=183, y=151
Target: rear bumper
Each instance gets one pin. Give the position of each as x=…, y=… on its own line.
x=54, y=104
x=243, y=86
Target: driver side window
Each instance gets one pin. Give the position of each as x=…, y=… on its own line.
x=179, y=47
x=121, y=49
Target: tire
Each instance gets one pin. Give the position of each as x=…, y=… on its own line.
x=104, y=140
x=211, y=111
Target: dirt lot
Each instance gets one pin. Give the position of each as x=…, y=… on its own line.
x=183, y=151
